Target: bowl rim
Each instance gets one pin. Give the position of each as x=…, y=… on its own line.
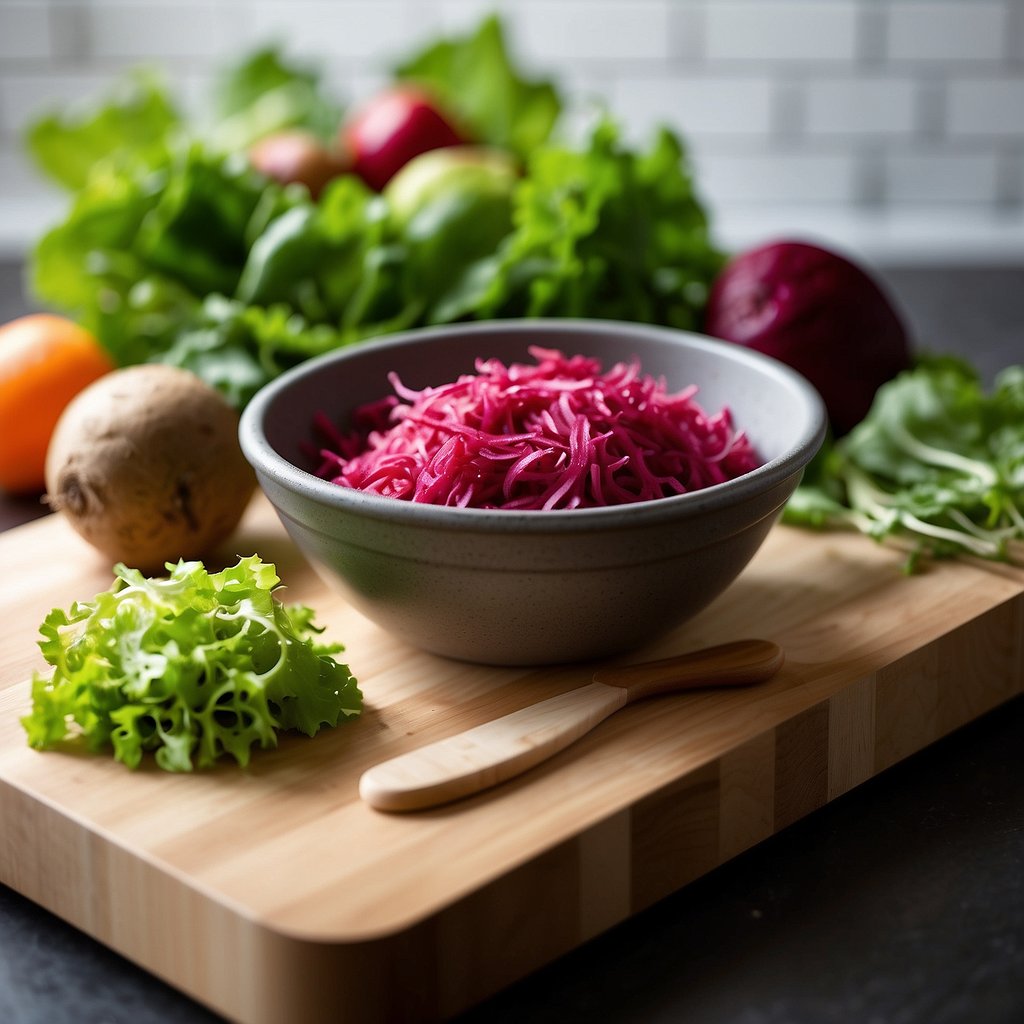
x=268, y=462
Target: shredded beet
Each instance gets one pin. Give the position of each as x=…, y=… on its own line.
x=556, y=435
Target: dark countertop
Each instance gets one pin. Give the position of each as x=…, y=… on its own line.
x=902, y=902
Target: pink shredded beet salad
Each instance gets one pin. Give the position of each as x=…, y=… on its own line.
x=560, y=434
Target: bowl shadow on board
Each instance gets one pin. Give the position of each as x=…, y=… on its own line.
x=767, y=603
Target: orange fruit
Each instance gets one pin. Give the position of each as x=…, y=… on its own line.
x=45, y=360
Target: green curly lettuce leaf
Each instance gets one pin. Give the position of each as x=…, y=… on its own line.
x=191, y=667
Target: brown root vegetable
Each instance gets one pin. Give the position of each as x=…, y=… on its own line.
x=146, y=466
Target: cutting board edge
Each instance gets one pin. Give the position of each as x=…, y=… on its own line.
x=433, y=981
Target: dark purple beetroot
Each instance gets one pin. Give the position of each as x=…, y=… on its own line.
x=817, y=312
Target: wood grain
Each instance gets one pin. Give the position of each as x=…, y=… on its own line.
x=275, y=893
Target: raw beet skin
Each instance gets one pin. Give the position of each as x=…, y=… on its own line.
x=391, y=129
x=817, y=312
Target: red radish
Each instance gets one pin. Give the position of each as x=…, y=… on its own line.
x=817, y=312
x=296, y=156
x=393, y=127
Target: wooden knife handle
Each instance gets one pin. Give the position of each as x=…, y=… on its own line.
x=739, y=663
x=488, y=754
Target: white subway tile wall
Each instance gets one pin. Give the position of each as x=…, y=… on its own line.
x=785, y=32
x=819, y=107
x=948, y=32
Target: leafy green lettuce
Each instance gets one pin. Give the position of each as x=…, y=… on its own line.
x=133, y=128
x=599, y=230
x=174, y=249
x=263, y=93
x=475, y=77
x=192, y=667
x=937, y=462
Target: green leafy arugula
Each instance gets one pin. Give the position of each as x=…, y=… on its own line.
x=937, y=462
x=192, y=667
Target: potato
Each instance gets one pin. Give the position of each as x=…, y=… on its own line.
x=146, y=466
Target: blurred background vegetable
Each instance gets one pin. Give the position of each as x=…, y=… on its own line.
x=296, y=156
x=818, y=312
x=392, y=128
x=239, y=245
x=45, y=361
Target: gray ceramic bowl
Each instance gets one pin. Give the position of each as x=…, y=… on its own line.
x=522, y=588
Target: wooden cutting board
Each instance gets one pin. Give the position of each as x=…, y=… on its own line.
x=273, y=894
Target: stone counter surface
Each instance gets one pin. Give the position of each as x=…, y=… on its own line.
x=902, y=901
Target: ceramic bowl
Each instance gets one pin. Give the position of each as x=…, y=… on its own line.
x=527, y=588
